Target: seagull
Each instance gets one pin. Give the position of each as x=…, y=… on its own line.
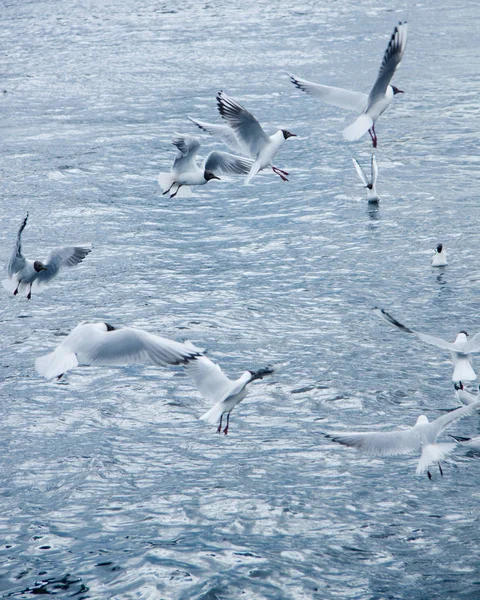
x=422, y=437
x=461, y=349
x=370, y=106
x=261, y=147
x=103, y=344
x=215, y=386
x=464, y=396
x=372, y=195
x=224, y=133
x=186, y=173
x=24, y=273
x=473, y=443
x=439, y=259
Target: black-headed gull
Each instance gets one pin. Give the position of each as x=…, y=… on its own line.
x=439, y=259
x=422, y=437
x=103, y=344
x=370, y=106
x=369, y=184
x=215, y=386
x=464, y=396
x=186, y=173
x=261, y=147
x=23, y=273
x=461, y=349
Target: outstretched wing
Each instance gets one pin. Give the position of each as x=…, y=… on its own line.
x=332, y=95
x=374, y=167
x=68, y=256
x=17, y=261
x=224, y=132
x=245, y=125
x=223, y=162
x=380, y=443
x=188, y=147
x=437, y=426
x=360, y=171
x=209, y=378
x=391, y=60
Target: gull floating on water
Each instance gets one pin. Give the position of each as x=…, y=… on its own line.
x=261, y=147
x=186, y=173
x=439, y=259
x=215, y=386
x=422, y=437
x=369, y=184
x=23, y=273
x=461, y=349
x=464, y=396
x=103, y=344
x=370, y=106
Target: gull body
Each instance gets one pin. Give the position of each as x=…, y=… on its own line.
x=261, y=147
x=370, y=106
x=439, y=259
x=370, y=184
x=464, y=396
x=461, y=349
x=216, y=387
x=422, y=437
x=24, y=274
x=103, y=344
x=186, y=173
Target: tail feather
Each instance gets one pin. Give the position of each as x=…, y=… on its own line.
x=165, y=180
x=184, y=192
x=9, y=285
x=214, y=414
x=253, y=171
x=463, y=370
x=56, y=363
x=432, y=453
x=358, y=128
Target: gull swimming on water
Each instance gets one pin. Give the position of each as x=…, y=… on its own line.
x=461, y=349
x=186, y=173
x=23, y=273
x=103, y=344
x=261, y=147
x=422, y=437
x=439, y=259
x=370, y=106
x=464, y=396
x=369, y=184
x=215, y=386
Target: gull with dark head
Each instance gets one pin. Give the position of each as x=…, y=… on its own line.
x=186, y=173
x=370, y=106
x=464, y=396
x=215, y=386
x=261, y=147
x=439, y=259
x=371, y=182
x=23, y=273
x=461, y=349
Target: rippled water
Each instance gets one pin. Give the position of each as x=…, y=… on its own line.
x=111, y=486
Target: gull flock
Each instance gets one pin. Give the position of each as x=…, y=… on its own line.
x=104, y=344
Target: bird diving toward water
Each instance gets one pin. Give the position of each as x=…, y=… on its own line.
x=23, y=273
x=186, y=173
x=461, y=349
x=369, y=184
x=261, y=147
x=215, y=386
x=370, y=106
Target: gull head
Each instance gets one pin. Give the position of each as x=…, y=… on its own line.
x=439, y=248
x=209, y=175
x=396, y=90
x=422, y=420
x=287, y=134
x=260, y=374
x=462, y=336
x=39, y=266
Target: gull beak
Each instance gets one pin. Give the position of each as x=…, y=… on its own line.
x=43, y=268
x=400, y=91
x=215, y=177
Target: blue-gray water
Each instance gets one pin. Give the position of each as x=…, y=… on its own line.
x=111, y=486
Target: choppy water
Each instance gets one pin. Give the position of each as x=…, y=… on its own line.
x=111, y=487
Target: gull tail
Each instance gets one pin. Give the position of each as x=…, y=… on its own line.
x=184, y=192
x=463, y=370
x=166, y=180
x=214, y=414
x=10, y=285
x=56, y=363
x=358, y=128
x=253, y=171
x=433, y=453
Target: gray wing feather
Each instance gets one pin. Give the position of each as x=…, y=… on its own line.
x=209, y=379
x=391, y=60
x=346, y=99
x=444, y=421
x=360, y=171
x=380, y=443
x=68, y=256
x=374, y=168
x=225, y=133
x=188, y=147
x=17, y=261
x=223, y=162
x=473, y=344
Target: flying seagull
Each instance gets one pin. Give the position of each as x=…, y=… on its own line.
x=461, y=349
x=225, y=133
x=261, y=147
x=422, y=437
x=23, y=273
x=186, y=173
x=103, y=344
x=370, y=106
x=215, y=386
x=369, y=184
x=439, y=259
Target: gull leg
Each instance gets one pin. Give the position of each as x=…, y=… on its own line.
x=220, y=426
x=166, y=191
x=176, y=192
x=374, y=136
x=29, y=295
x=429, y=475
x=440, y=469
x=16, y=290
x=277, y=171
x=281, y=170
x=225, y=431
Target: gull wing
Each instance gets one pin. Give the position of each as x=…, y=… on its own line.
x=473, y=344
x=224, y=132
x=188, y=147
x=391, y=60
x=380, y=443
x=209, y=379
x=68, y=256
x=17, y=261
x=437, y=426
x=374, y=168
x=244, y=124
x=223, y=162
x=360, y=171
x=356, y=101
